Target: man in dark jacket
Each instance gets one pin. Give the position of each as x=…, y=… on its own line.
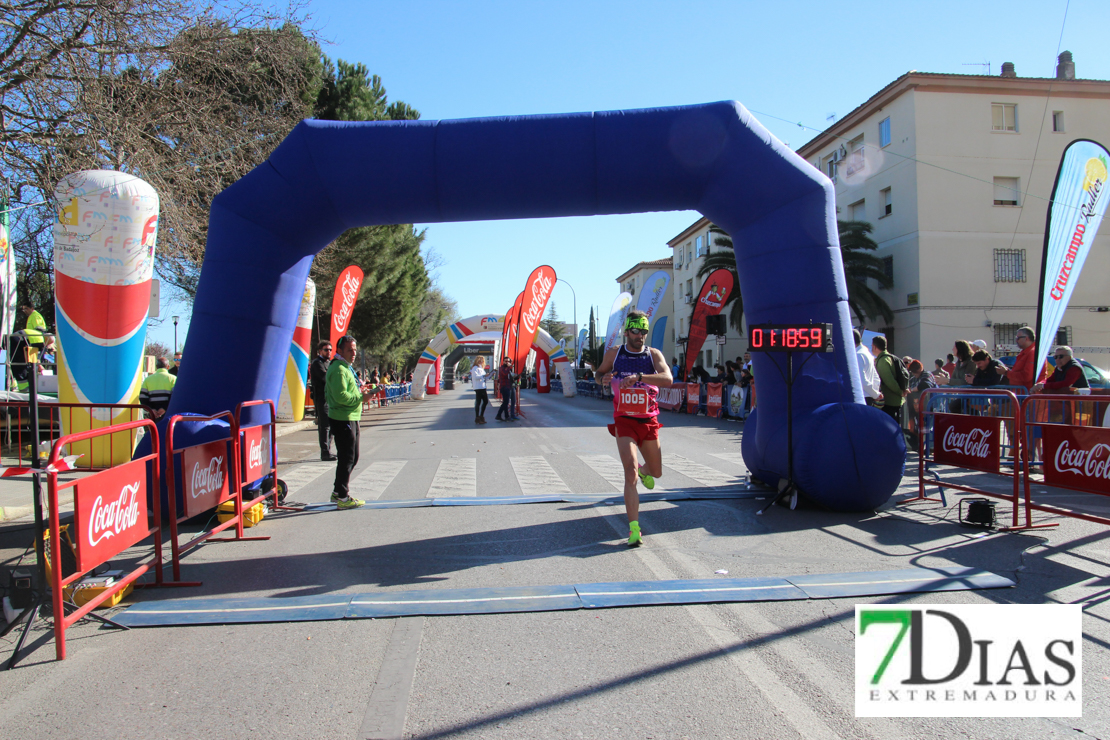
x=1068, y=376
x=989, y=371
x=317, y=376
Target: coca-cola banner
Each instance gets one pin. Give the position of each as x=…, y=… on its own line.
x=713, y=393
x=714, y=293
x=256, y=453
x=670, y=398
x=204, y=473
x=343, y=303
x=1077, y=457
x=110, y=510
x=693, y=393
x=967, y=441
x=537, y=292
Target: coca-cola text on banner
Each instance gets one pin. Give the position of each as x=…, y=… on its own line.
x=711, y=299
x=343, y=303
x=110, y=510
x=533, y=302
x=256, y=453
x=967, y=441
x=204, y=474
x=1077, y=457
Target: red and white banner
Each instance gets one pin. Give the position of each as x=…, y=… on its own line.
x=533, y=302
x=967, y=441
x=670, y=398
x=205, y=478
x=256, y=453
x=343, y=303
x=693, y=393
x=110, y=510
x=508, y=331
x=1077, y=457
x=713, y=400
x=714, y=293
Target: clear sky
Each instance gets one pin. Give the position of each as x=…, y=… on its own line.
x=788, y=63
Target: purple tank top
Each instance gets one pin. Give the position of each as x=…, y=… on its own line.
x=630, y=363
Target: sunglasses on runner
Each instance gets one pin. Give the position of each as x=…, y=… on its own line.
x=638, y=332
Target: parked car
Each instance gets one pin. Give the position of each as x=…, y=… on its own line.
x=1096, y=377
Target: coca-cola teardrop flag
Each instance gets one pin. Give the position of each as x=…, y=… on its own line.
x=537, y=292
x=343, y=304
x=714, y=293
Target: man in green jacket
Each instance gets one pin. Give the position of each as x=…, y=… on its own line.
x=345, y=399
x=893, y=396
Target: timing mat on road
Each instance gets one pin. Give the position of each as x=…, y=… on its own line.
x=451, y=602
x=681, y=494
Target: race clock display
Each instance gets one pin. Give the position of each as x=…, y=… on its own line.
x=790, y=338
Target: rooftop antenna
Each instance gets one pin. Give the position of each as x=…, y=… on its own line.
x=978, y=64
x=830, y=117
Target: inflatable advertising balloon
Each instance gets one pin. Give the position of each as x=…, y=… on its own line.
x=103, y=262
x=291, y=401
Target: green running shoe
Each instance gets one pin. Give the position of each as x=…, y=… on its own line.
x=647, y=480
x=635, y=539
x=346, y=502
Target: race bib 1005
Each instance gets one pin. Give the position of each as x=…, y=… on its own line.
x=630, y=401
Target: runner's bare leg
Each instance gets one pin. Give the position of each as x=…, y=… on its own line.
x=653, y=457
x=626, y=446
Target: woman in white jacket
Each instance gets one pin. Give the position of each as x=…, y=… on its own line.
x=478, y=381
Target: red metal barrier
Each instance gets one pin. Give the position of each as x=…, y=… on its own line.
x=973, y=441
x=109, y=517
x=52, y=415
x=250, y=442
x=209, y=476
x=1065, y=439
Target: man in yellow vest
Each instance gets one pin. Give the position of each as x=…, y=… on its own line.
x=36, y=325
x=157, y=388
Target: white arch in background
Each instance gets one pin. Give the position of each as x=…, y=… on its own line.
x=458, y=332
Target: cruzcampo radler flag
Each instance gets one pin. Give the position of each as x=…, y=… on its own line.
x=714, y=293
x=1074, y=213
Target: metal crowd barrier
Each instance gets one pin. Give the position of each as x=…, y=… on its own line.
x=250, y=443
x=17, y=427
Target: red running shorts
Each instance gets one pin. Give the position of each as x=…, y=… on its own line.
x=640, y=430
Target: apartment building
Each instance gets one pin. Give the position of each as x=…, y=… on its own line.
x=634, y=281
x=690, y=249
x=955, y=173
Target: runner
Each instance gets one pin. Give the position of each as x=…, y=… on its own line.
x=633, y=367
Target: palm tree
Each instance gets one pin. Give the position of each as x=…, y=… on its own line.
x=859, y=266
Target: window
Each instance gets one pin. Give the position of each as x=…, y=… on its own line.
x=689, y=255
x=708, y=360
x=1006, y=191
x=1005, y=335
x=1009, y=265
x=698, y=248
x=888, y=267
x=689, y=287
x=855, y=156
x=888, y=332
x=708, y=241
x=1063, y=335
x=677, y=258
x=1058, y=121
x=888, y=207
x=829, y=167
x=1003, y=117
x=682, y=327
x=857, y=211
x=884, y=132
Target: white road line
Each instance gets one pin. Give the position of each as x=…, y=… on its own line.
x=536, y=476
x=375, y=478
x=703, y=474
x=456, y=476
x=304, y=474
x=607, y=467
x=732, y=457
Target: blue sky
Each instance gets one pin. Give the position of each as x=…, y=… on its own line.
x=786, y=62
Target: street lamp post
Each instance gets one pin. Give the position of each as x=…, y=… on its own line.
x=577, y=359
x=175, y=318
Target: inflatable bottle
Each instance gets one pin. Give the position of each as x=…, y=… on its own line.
x=103, y=262
x=290, y=405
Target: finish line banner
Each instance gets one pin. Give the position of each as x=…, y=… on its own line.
x=1074, y=213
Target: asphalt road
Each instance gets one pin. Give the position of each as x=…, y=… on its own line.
x=758, y=670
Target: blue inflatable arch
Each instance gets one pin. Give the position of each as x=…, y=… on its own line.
x=328, y=176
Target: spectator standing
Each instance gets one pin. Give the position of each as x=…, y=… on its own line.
x=950, y=366
x=157, y=389
x=317, y=378
x=345, y=400
x=478, y=382
x=886, y=365
x=1023, y=372
x=35, y=326
x=868, y=376
x=939, y=372
x=988, y=371
x=176, y=364
x=920, y=381
x=964, y=365
x=505, y=379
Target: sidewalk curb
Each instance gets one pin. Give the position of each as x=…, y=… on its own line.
x=11, y=513
x=297, y=426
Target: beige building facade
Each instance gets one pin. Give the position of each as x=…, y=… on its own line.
x=634, y=281
x=955, y=173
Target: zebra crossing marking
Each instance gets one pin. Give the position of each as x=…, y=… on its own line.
x=536, y=477
x=703, y=474
x=457, y=476
x=732, y=457
x=375, y=478
x=607, y=467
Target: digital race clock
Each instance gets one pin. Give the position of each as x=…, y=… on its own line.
x=790, y=338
